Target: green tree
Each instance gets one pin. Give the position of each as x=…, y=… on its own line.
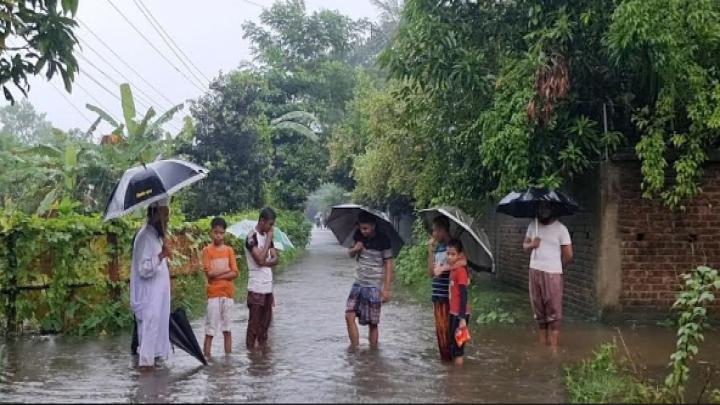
x=295, y=151
x=21, y=122
x=231, y=138
x=522, y=86
x=670, y=51
x=349, y=139
x=306, y=60
x=36, y=36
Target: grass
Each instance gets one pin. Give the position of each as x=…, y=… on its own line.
x=604, y=378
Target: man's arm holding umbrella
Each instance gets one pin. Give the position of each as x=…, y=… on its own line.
x=530, y=243
x=358, y=246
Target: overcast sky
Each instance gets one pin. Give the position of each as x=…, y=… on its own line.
x=209, y=32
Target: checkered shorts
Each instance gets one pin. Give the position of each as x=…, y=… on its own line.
x=366, y=303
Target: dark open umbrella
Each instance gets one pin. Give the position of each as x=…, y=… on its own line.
x=143, y=185
x=526, y=204
x=343, y=222
x=182, y=335
x=464, y=227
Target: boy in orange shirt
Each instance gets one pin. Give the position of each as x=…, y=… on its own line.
x=220, y=269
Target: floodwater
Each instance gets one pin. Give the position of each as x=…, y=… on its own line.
x=309, y=359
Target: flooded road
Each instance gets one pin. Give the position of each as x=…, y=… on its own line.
x=309, y=359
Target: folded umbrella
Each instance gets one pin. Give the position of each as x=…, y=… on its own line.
x=243, y=228
x=343, y=222
x=143, y=185
x=182, y=335
x=464, y=227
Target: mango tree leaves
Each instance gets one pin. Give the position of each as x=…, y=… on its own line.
x=44, y=42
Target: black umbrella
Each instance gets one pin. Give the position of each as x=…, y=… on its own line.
x=526, y=204
x=343, y=222
x=182, y=335
x=143, y=185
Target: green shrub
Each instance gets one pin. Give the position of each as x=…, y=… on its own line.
x=71, y=248
x=602, y=379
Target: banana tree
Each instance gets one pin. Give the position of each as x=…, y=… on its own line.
x=141, y=138
x=300, y=122
x=54, y=170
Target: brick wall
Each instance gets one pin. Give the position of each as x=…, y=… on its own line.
x=657, y=245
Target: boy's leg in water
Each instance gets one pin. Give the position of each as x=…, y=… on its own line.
x=352, y=327
x=373, y=334
x=208, y=345
x=228, y=342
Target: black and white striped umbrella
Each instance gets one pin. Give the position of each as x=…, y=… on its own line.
x=141, y=186
x=468, y=230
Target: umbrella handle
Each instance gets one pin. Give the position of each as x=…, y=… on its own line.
x=537, y=232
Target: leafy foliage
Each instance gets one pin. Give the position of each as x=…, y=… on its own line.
x=36, y=36
x=72, y=248
x=692, y=303
x=671, y=50
x=605, y=379
x=517, y=93
x=140, y=140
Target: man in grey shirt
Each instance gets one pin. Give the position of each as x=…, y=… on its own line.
x=373, y=279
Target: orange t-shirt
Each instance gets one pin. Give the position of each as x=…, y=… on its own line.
x=219, y=258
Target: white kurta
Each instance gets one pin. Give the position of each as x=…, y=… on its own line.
x=150, y=296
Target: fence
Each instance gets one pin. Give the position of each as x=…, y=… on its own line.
x=179, y=244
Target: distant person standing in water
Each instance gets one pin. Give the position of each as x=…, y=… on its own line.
x=548, y=242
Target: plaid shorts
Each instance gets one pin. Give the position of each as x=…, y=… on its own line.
x=366, y=303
